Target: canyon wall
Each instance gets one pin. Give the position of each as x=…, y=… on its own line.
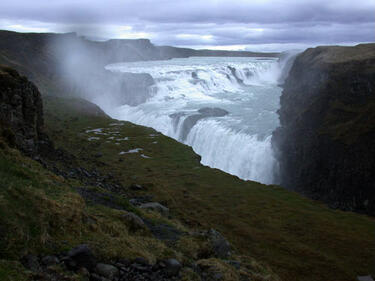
x=325, y=143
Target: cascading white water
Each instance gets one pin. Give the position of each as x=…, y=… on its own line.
x=225, y=108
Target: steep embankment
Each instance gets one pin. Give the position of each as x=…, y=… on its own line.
x=326, y=142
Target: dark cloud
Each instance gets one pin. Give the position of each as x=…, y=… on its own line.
x=200, y=23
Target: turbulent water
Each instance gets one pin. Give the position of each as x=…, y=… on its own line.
x=224, y=108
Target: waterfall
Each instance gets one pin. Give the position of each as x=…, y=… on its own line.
x=224, y=108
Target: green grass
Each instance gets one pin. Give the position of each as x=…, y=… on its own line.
x=41, y=213
x=12, y=271
x=298, y=238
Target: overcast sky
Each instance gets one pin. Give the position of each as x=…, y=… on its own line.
x=259, y=25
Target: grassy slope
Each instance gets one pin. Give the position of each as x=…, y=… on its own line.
x=41, y=213
x=299, y=238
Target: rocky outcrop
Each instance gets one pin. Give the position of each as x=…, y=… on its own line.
x=21, y=112
x=192, y=119
x=325, y=144
x=130, y=88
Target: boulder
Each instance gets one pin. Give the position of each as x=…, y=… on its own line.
x=155, y=206
x=172, y=267
x=135, y=222
x=219, y=244
x=50, y=260
x=106, y=270
x=81, y=256
x=136, y=187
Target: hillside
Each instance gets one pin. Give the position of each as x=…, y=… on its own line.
x=82, y=190
x=61, y=211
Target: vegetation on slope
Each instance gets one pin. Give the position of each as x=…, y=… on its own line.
x=299, y=238
x=44, y=213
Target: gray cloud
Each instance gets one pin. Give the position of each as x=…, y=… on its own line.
x=200, y=23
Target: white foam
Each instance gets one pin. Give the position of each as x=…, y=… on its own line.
x=237, y=153
x=230, y=143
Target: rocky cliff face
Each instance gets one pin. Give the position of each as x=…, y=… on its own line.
x=325, y=144
x=21, y=112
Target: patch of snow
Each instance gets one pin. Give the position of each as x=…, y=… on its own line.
x=136, y=150
x=93, y=138
x=144, y=156
x=99, y=130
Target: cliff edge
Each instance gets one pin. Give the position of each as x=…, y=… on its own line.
x=21, y=112
x=325, y=142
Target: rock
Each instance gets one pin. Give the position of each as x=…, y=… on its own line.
x=98, y=155
x=96, y=277
x=31, y=262
x=163, y=231
x=107, y=270
x=84, y=272
x=220, y=245
x=155, y=206
x=50, y=260
x=141, y=268
x=210, y=270
x=136, y=187
x=192, y=119
x=135, y=222
x=172, y=267
x=234, y=73
x=137, y=201
x=141, y=261
x=82, y=257
x=21, y=112
x=123, y=263
x=213, y=111
x=325, y=142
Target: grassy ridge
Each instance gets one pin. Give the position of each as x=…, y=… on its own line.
x=299, y=238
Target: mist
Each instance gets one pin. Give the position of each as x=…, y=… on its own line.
x=81, y=69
